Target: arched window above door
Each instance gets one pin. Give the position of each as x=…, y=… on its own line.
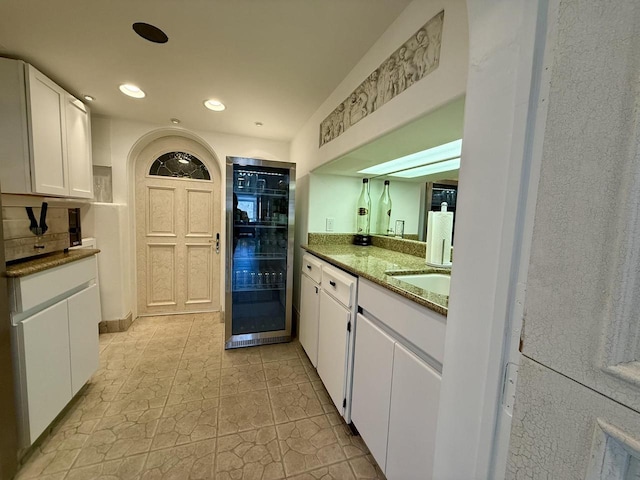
x=181, y=165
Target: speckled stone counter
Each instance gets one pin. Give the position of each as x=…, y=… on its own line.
x=46, y=262
x=373, y=263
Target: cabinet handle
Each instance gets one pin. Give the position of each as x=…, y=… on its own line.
x=309, y=267
x=332, y=283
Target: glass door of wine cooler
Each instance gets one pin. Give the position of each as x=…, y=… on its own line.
x=259, y=257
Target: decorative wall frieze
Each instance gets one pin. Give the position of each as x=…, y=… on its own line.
x=414, y=60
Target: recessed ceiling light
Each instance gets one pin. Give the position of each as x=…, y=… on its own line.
x=150, y=32
x=174, y=120
x=258, y=124
x=88, y=98
x=132, y=90
x=215, y=105
x=431, y=155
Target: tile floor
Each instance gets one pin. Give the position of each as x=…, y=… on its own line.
x=168, y=402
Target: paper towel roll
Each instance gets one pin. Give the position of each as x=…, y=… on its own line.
x=439, y=232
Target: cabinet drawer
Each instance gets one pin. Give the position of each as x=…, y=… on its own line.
x=33, y=290
x=312, y=267
x=417, y=324
x=339, y=285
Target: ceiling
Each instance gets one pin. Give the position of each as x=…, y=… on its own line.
x=269, y=61
x=438, y=127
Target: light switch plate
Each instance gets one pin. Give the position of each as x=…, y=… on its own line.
x=329, y=225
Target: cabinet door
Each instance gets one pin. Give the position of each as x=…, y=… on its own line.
x=48, y=142
x=332, y=347
x=78, y=148
x=46, y=374
x=84, y=316
x=371, y=395
x=413, y=416
x=309, y=310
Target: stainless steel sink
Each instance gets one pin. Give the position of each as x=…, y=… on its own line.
x=432, y=282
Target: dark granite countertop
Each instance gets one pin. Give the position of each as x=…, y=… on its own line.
x=374, y=264
x=46, y=262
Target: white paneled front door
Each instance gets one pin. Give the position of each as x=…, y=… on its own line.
x=177, y=223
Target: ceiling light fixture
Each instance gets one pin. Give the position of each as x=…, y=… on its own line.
x=175, y=121
x=215, y=105
x=88, y=98
x=440, y=167
x=132, y=90
x=150, y=32
x=425, y=157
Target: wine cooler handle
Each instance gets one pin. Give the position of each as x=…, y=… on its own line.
x=217, y=243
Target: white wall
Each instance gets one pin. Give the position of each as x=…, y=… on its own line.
x=118, y=138
x=443, y=85
x=493, y=208
x=335, y=196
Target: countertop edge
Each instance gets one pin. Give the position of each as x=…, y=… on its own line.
x=404, y=293
x=48, y=262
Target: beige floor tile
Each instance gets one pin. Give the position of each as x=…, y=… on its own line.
x=172, y=330
x=52, y=476
x=141, y=393
x=105, y=339
x=68, y=435
x=281, y=351
x=308, y=444
x=366, y=468
x=250, y=455
x=129, y=468
x=352, y=445
x=186, y=423
x=202, y=361
x=293, y=402
x=241, y=356
x=157, y=367
x=119, y=436
x=245, y=411
x=164, y=346
x=285, y=372
x=202, y=348
x=240, y=379
x=338, y=471
x=323, y=396
x=311, y=372
x=193, y=461
x=40, y=464
x=87, y=407
x=190, y=386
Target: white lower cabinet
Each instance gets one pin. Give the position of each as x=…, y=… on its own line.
x=327, y=310
x=55, y=345
x=396, y=382
x=45, y=344
x=309, y=311
x=333, y=341
x=84, y=316
x=413, y=416
x=372, y=371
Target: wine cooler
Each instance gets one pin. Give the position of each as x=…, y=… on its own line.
x=259, y=273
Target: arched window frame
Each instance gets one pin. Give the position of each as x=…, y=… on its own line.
x=179, y=165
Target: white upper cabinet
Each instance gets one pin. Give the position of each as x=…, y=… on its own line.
x=45, y=101
x=47, y=135
x=79, y=148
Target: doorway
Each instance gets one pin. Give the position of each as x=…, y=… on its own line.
x=177, y=197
